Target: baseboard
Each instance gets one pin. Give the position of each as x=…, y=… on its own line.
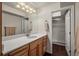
x=59, y=43
x=47, y=54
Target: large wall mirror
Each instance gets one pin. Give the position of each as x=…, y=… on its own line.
x=13, y=24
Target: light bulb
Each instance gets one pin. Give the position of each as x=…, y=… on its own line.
x=31, y=9
x=27, y=10
x=26, y=6
x=18, y=6
x=23, y=8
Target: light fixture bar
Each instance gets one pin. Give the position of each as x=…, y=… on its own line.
x=25, y=7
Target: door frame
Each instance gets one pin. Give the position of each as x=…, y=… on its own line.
x=72, y=29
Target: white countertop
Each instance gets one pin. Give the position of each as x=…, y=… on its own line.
x=12, y=44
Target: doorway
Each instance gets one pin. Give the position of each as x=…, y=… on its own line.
x=63, y=32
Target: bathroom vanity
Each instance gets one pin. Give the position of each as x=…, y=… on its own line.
x=26, y=46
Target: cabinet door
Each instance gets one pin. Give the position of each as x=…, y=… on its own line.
x=33, y=52
x=44, y=44
x=33, y=48
x=40, y=47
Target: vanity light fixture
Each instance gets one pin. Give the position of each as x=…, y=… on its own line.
x=18, y=6
x=25, y=7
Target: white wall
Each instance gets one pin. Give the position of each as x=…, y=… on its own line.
x=37, y=24
x=39, y=19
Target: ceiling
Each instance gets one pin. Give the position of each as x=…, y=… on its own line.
x=63, y=4
x=35, y=5
x=38, y=5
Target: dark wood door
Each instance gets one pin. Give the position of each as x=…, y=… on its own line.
x=0, y=28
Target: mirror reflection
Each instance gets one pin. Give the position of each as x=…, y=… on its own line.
x=14, y=24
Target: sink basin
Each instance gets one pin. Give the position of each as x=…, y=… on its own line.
x=32, y=36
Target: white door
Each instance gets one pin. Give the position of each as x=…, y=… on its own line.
x=67, y=32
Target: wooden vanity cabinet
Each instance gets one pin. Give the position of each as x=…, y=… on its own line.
x=22, y=51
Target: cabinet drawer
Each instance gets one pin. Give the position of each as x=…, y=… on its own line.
x=33, y=45
x=20, y=51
